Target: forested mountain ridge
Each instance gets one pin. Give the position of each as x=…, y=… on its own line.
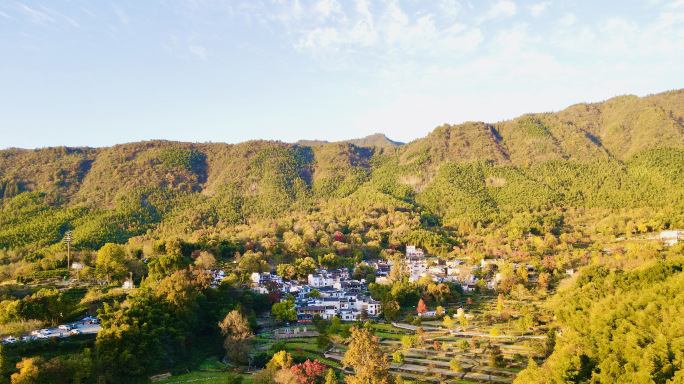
x=624, y=153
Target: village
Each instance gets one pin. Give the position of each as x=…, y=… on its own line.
x=333, y=292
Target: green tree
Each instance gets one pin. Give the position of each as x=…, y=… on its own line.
x=284, y=310
x=496, y=358
x=3, y=364
x=398, y=357
x=110, y=262
x=366, y=359
x=391, y=310
x=407, y=341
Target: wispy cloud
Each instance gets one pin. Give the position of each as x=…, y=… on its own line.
x=35, y=15
x=198, y=51
x=501, y=10
x=121, y=14
x=59, y=16
x=537, y=9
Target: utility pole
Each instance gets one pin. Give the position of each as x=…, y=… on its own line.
x=67, y=240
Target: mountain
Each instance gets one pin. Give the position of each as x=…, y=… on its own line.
x=376, y=140
x=623, y=153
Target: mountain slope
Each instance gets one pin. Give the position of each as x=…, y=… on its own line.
x=626, y=152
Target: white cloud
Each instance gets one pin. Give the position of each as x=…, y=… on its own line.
x=450, y=8
x=500, y=10
x=328, y=8
x=123, y=16
x=198, y=51
x=3, y=14
x=568, y=20
x=36, y=16
x=537, y=9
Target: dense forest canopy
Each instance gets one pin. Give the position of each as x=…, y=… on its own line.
x=626, y=153
x=584, y=188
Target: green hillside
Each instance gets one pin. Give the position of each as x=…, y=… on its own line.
x=622, y=154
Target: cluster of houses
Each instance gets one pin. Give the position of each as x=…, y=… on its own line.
x=338, y=295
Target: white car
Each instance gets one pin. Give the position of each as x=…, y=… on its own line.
x=42, y=336
x=75, y=332
x=64, y=327
x=45, y=331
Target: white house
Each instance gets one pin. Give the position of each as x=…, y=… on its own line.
x=672, y=237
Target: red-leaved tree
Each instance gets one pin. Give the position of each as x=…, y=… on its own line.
x=421, y=308
x=309, y=372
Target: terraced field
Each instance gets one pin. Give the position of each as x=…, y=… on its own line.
x=429, y=358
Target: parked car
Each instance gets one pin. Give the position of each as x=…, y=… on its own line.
x=64, y=328
x=45, y=331
x=9, y=340
x=42, y=336
x=74, y=332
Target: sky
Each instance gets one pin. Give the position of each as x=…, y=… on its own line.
x=99, y=73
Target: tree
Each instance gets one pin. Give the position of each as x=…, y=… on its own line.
x=3, y=364
x=235, y=328
x=523, y=323
x=447, y=322
x=543, y=280
x=367, y=360
x=421, y=308
x=322, y=340
x=309, y=372
x=463, y=345
x=335, y=325
x=287, y=271
x=519, y=292
x=531, y=374
x=315, y=294
x=29, y=371
x=205, y=260
x=330, y=377
x=439, y=311
x=285, y=310
x=391, y=310
x=455, y=365
x=496, y=358
x=494, y=332
x=500, y=302
x=462, y=318
x=281, y=359
x=111, y=262
x=165, y=265
x=253, y=262
x=398, y=357
x=407, y=341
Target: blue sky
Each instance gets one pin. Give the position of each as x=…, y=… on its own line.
x=85, y=73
